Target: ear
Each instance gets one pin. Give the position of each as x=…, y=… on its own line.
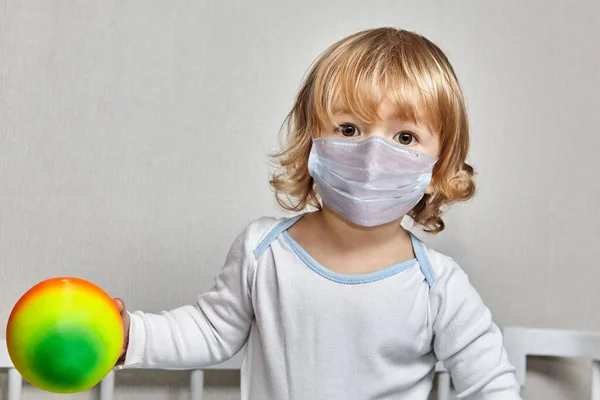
x=429, y=189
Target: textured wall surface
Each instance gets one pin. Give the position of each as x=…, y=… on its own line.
x=133, y=137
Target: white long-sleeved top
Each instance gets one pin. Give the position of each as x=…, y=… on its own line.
x=314, y=334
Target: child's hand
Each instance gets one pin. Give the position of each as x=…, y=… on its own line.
x=125, y=317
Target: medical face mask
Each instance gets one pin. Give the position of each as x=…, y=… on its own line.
x=369, y=182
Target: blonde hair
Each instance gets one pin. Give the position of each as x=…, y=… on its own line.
x=358, y=73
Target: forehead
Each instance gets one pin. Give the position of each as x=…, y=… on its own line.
x=385, y=110
x=381, y=82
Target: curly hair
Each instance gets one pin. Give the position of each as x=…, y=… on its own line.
x=357, y=73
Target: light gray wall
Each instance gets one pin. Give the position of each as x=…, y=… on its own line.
x=133, y=137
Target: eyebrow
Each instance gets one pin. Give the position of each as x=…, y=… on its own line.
x=420, y=129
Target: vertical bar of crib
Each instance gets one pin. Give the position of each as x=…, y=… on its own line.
x=107, y=386
x=15, y=384
x=443, y=385
x=197, y=385
x=595, y=380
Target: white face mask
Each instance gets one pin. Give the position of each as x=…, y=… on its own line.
x=369, y=182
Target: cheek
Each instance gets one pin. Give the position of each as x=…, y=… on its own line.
x=326, y=133
x=432, y=148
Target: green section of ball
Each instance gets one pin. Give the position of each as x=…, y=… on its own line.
x=66, y=360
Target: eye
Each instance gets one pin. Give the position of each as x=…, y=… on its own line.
x=347, y=130
x=405, y=138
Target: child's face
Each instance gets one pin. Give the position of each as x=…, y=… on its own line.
x=389, y=127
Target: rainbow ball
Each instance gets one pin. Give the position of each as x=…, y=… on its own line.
x=64, y=335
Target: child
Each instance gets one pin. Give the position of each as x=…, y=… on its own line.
x=343, y=303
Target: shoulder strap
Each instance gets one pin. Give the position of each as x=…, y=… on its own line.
x=264, y=244
x=423, y=259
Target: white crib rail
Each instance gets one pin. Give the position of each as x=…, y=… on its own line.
x=519, y=342
x=15, y=381
x=106, y=388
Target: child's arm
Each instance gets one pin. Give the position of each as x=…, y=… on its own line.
x=468, y=341
x=206, y=333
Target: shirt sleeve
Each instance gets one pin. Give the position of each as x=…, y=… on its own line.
x=468, y=342
x=205, y=333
